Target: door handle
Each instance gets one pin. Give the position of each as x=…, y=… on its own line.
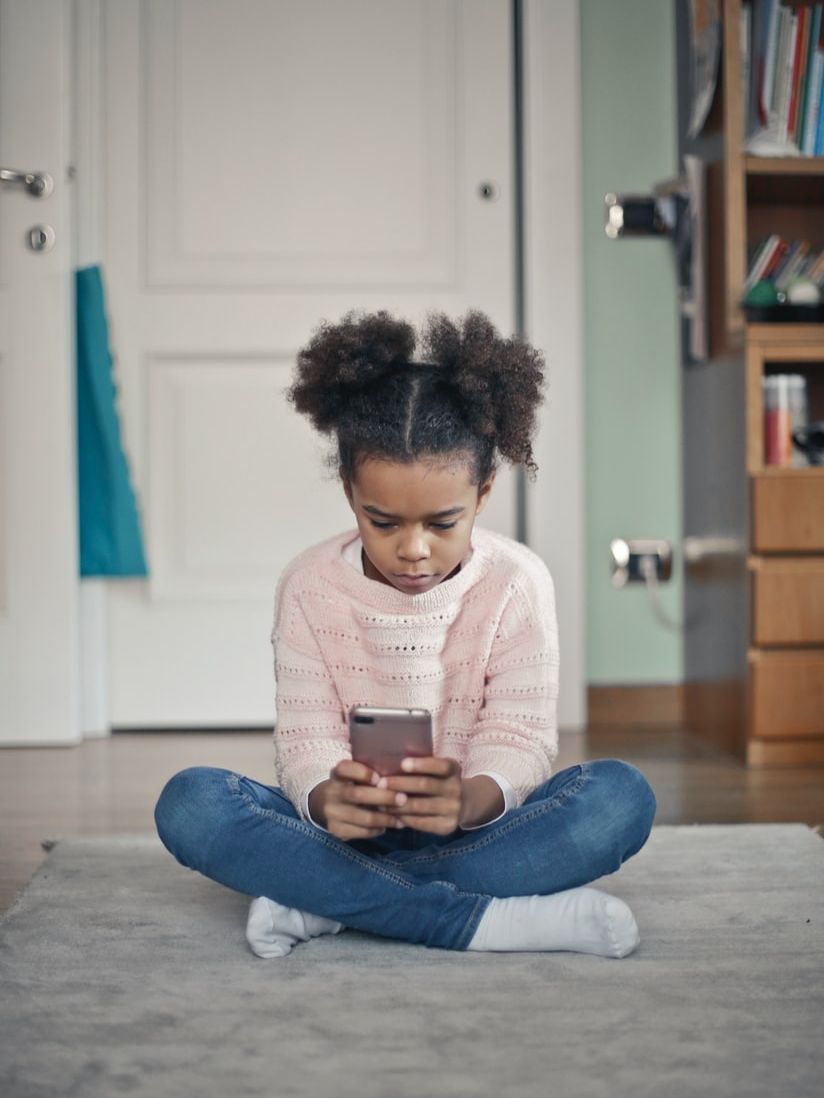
x=38, y=184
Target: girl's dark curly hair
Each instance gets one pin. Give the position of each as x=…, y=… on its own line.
x=476, y=395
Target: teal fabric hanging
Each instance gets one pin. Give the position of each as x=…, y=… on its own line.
x=110, y=538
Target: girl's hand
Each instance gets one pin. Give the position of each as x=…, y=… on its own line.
x=434, y=790
x=350, y=806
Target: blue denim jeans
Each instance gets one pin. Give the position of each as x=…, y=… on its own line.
x=578, y=826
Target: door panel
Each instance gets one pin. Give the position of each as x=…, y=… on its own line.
x=270, y=165
x=38, y=503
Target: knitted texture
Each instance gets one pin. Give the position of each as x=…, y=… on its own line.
x=479, y=650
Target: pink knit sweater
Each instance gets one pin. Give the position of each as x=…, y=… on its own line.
x=480, y=651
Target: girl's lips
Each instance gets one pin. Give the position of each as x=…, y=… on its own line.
x=414, y=581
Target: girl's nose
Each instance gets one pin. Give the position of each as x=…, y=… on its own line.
x=414, y=549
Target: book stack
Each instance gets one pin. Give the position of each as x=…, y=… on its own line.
x=782, y=55
x=781, y=261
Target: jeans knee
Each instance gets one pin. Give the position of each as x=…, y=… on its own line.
x=630, y=803
x=183, y=814
x=638, y=801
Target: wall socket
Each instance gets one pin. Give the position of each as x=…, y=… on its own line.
x=634, y=559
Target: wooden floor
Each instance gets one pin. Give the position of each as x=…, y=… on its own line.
x=110, y=786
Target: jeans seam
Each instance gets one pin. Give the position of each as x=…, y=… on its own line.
x=338, y=845
x=477, y=913
x=505, y=828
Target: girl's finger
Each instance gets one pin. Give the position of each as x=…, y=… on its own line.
x=369, y=795
x=358, y=817
x=438, y=825
x=348, y=832
x=437, y=765
x=351, y=771
x=424, y=786
x=427, y=806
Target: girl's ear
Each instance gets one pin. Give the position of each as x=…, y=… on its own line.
x=483, y=494
x=347, y=487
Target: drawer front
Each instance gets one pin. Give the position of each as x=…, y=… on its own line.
x=786, y=694
x=788, y=513
x=788, y=601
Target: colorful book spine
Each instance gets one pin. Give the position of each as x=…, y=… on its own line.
x=794, y=265
x=805, y=100
x=785, y=74
x=816, y=65
x=799, y=57
x=769, y=57
x=776, y=262
x=761, y=261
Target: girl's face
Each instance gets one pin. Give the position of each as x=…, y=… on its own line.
x=415, y=520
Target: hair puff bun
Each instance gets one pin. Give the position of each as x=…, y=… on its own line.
x=498, y=381
x=346, y=358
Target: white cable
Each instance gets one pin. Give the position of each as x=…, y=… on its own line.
x=648, y=567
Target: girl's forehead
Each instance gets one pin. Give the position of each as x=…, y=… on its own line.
x=441, y=482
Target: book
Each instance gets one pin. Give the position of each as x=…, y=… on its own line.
x=799, y=64
x=807, y=75
x=813, y=89
x=747, y=85
x=784, y=74
x=787, y=265
x=769, y=57
x=777, y=260
x=761, y=260
x=794, y=265
x=754, y=253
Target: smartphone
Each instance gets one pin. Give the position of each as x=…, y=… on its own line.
x=380, y=738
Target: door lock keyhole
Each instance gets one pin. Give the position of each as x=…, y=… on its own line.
x=40, y=238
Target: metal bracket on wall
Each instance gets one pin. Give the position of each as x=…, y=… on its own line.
x=647, y=561
x=676, y=210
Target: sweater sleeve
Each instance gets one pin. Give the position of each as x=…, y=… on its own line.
x=311, y=733
x=516, y=732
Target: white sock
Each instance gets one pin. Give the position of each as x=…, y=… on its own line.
x=582, y=920
x=272, y=929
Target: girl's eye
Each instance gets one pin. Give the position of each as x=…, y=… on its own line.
x=388, y=526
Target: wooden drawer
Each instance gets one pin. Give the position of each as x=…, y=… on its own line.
x=787, y=600
x=788, y=512
x=786, y=693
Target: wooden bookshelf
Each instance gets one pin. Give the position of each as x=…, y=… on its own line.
x=784, y=165
x=761, y=194
x=785, y=691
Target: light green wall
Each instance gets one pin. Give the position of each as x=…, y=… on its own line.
x=631, y=333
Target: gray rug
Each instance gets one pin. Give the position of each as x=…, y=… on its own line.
x=125, y=973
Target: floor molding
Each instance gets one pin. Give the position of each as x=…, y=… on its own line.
x=622, y=705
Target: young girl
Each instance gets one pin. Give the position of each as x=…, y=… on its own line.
x=477, y=847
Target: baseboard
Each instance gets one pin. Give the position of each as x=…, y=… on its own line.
x=717, y=710
x=623, y=705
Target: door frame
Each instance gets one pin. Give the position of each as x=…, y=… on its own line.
x=553, y=307
x=552, y=310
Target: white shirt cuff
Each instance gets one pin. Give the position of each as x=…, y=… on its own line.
x=305, y=804
x=510, y=798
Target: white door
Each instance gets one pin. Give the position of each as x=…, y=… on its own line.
x=268, y=164
x=38, y=503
